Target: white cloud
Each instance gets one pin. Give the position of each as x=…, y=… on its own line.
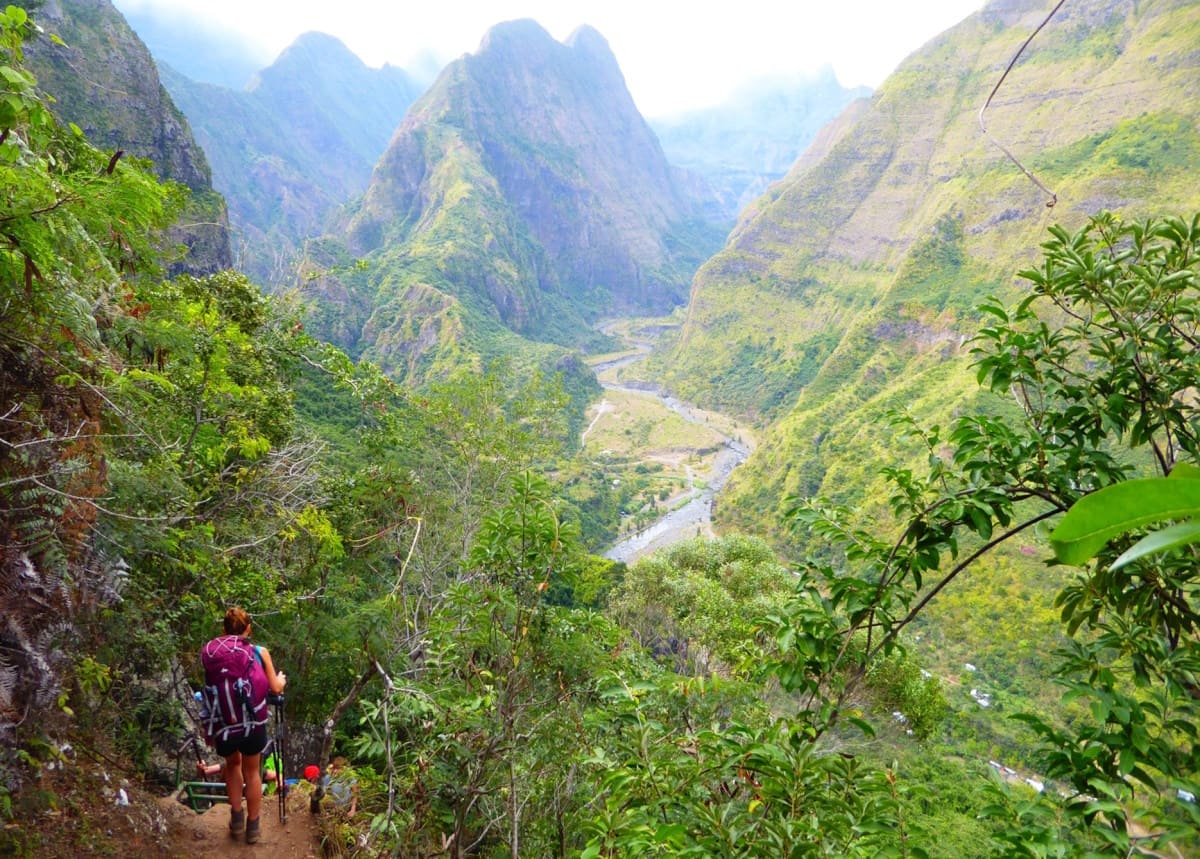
x=675, y=54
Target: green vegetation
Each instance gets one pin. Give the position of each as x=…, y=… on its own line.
x=282, y=180
x=457, y=292
x=496, y=229
x=1154, y=143
x=628, y=423
x=172, y=445
x=1109, y=380
x=697, y=604
x=874, y=256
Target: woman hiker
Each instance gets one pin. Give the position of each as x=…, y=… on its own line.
x=232, y=663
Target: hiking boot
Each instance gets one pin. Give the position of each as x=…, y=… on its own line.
x=237, y=821
x=252, y=830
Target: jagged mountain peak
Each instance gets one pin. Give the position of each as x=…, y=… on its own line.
x=525, y=34
x=588, y=39
x=321, y=41
x=299, y=141
x=569, y=105
x=321, y=62
x=514, y=32
x=524, y=55
x=525, y=185
x=311, y=53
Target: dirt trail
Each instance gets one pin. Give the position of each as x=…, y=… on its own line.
x=207, y=835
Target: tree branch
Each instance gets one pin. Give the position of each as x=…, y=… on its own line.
x=949, y=577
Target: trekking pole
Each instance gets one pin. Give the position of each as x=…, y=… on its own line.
x=281, y=788
x=192, y=741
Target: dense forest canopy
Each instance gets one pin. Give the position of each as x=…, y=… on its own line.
x=172, y=445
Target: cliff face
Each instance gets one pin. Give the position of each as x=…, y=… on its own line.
x=526, y=187
x=104, y=80
x=874, y=251
x=301, y=140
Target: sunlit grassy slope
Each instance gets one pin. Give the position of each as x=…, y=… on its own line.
x=850, y=287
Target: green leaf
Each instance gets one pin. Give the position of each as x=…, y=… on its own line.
x=671, y=833
x=1186, y=471
x=862, y=725
x=1114, y=510
x=1126, y=761
x=1160, y=541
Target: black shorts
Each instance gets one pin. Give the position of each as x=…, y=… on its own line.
x=250, y=745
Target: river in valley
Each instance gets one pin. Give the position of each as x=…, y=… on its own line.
x=690, y=517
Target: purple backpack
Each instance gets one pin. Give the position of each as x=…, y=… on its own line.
x=234, y=698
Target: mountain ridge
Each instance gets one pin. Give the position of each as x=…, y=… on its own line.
x=297, y=143
x=526, y=190
x=875, y=249
x=103, y=79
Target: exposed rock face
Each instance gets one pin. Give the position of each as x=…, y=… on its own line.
x=104, y=81
x=564, y=174
x=301, y=140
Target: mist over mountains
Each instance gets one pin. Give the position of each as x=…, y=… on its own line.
x=754, y=136
x=263, y=146
x=201, y=50
x=902, y=217
x=602, y=223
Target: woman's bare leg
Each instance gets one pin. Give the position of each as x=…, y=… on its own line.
x=234, y=781
x=252, y=779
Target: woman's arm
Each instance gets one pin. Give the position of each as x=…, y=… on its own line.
x=275, y=682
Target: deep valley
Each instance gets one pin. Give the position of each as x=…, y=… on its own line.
x=812, y=475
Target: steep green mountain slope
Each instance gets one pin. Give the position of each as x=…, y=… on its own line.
x=874, y=251
x=522, y=198
x=754, y=136
x=300, y=140
x=103, y=79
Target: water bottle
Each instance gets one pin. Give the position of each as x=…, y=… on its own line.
x=199, y=696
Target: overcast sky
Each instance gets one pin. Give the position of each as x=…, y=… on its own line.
x=675, y=54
